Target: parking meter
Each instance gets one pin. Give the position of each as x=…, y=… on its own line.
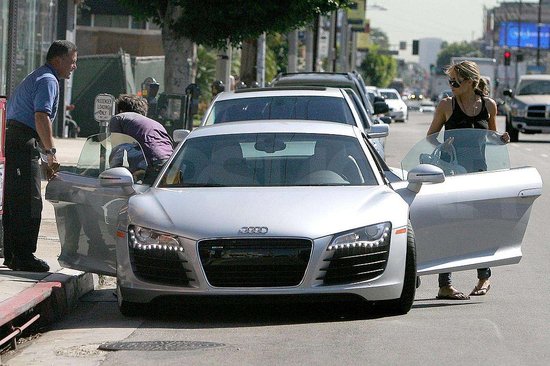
x=192, y=92
x=170, y=111
x=149, y=90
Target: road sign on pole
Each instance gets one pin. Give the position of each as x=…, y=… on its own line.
x=104, y=108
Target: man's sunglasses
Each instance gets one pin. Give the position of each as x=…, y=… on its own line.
x=454, y=83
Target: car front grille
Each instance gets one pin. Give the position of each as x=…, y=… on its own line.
x=350, y=265
x=159, y=266
x=255, y=262
x=536, y=111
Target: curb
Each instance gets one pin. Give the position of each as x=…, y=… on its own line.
x=52, y=297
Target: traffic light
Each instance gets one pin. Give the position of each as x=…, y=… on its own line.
x=519, y=57
x=507, y=57
x=415, y=47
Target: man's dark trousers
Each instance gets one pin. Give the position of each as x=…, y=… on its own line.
x=22, y=193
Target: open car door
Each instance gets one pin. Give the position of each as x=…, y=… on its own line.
x=477, y=217
x=87, y=213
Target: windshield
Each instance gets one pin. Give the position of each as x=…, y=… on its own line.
x=320, y=108
x=465, y=151
x=390, y=95
x=534, y=87
x=269, y=159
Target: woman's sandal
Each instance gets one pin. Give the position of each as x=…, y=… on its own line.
x=453, y=295
x=480, y=291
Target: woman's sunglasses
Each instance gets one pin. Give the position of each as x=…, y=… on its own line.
x=454, y=83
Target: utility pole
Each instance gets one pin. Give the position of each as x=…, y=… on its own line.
x=538, y=33
x=516, y=71
x=223, y=65
x=260, y=61
x=309, y=49
x=344, y=44
x=332, y=42
x=292, y=51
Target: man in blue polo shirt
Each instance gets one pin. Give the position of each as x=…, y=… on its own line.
x=31, y=109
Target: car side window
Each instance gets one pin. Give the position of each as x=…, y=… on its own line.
x=104, y=151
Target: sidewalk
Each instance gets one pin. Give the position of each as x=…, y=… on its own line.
x=51, y=294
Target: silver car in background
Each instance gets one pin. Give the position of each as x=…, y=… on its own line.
x=295, y=103
x=282, y=207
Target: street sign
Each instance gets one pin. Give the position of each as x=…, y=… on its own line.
x=104, y=108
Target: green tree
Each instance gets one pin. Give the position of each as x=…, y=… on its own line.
x=460, y=49
x=185, y=23
x=378, y=70
x=378, y=37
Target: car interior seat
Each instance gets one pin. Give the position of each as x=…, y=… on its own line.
x=227, y=167
x=332, y=157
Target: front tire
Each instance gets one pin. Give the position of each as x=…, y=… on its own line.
x=127, y=308
x=402, y=305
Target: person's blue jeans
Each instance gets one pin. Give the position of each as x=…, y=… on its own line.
x=445, y=278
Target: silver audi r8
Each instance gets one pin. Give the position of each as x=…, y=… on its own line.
x=291, y=208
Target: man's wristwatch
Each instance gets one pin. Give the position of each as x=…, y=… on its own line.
x=51, y=151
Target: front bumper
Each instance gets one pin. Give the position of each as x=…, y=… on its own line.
x=531, y=125
x=382, y=286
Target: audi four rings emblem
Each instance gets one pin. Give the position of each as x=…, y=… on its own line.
x=253, y=230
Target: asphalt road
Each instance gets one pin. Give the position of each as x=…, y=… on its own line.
x=509, y=326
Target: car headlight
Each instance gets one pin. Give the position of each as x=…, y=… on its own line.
x=518, y=110
x=367, y=237
x=142, y=238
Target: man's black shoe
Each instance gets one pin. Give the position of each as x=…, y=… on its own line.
x=7, y=262
x=29, y=265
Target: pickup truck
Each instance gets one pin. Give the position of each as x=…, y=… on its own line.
x=529, y=107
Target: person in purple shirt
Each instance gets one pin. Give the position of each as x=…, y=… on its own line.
x=131, y=120
x=31, y=109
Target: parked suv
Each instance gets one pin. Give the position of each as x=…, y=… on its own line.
x=295, y=103
x=350, y=80
x=529, y=110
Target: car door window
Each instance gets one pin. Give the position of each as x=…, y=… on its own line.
x=104, y=151
x=459, y=151
x=365, y=120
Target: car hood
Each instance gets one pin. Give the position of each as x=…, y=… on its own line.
x=533, y=99
x=310, y=212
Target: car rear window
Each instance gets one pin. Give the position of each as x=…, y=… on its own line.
x=320, y=108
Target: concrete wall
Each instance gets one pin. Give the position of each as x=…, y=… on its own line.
x=103, y=40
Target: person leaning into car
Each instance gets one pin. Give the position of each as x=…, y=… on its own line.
x=31, y=109
x=469, y=107
x=131, y=120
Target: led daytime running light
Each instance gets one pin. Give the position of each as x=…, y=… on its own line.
x=145, y=239
x=352, y=239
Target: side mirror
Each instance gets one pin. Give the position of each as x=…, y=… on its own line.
x=508, y=92
x=378, y=131
x=380, y=107
x=117, y=177
x=424, y=173
x=180, y=135
x=378, y=98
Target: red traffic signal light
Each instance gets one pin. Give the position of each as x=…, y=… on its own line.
x=507, y=57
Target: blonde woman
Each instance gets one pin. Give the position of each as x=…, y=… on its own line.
x=469, y=107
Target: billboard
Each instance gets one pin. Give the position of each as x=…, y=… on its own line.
x=524, y=34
